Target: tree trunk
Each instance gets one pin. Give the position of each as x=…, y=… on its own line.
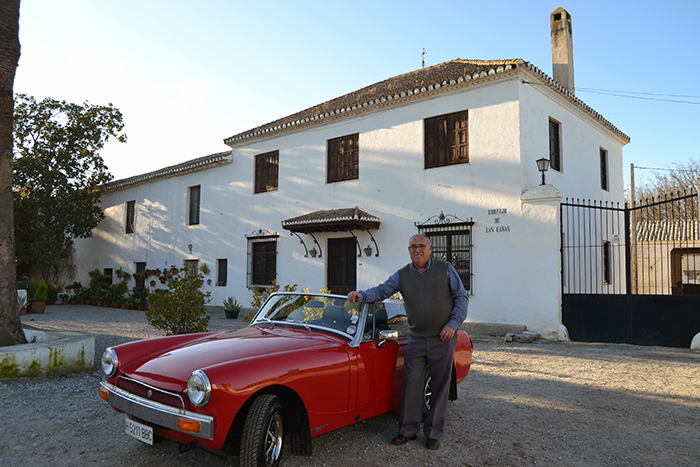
x=10, y=325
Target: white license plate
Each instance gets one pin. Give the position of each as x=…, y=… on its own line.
x=139, y=431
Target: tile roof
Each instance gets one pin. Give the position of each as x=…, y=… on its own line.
x=333, y=220
x=425, y=81
x=665, y=231
x=194, y=165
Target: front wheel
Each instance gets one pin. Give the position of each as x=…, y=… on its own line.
x=261, y=442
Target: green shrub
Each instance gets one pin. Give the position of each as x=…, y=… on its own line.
x=42, y=292
x=260, y=294
x=180, y=309
x=52, y=294
x=32, y=288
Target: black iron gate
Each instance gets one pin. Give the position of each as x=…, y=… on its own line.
x=631, y=274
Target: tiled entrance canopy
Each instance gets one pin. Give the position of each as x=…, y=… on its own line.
x=334, y=220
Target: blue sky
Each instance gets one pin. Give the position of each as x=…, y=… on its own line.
x=188, y=74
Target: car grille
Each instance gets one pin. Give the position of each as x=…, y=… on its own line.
x=149, y=392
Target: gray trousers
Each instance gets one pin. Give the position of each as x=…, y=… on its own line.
x=439, y=356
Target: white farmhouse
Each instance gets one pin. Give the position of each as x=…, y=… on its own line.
x=330, y=195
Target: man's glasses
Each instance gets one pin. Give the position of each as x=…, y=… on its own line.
x=417, y=247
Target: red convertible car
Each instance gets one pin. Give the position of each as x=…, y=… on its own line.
x=307, y=364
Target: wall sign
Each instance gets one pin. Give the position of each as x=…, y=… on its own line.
x=497, y=220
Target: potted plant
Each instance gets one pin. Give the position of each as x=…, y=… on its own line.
x=205, y=269
x=22, y=303
x=40, y=297
x=139, y=297
x=232, y=308
x=141, y=275
x=64, y=298
x=115, y=293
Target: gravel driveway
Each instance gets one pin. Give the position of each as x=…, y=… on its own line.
x=547, y=403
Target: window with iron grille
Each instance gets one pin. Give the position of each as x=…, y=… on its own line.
x=453, y=244
x=603, y=169
x=266, y=171
x=130, y=208
x=221, y=272
x=446, y=140
x=555, y=145
x=343, y=159
x=193, y=193
x=262, y=261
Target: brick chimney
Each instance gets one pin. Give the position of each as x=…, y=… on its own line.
x=562, y=48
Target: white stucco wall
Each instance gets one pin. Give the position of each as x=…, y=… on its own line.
x=516, y=267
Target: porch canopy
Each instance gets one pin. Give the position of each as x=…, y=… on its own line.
x=334, y=220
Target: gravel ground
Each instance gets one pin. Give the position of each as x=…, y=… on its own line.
x=546, y=403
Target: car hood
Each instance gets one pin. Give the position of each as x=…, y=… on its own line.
x=172, y=367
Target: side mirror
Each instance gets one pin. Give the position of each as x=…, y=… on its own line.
x=384, y=336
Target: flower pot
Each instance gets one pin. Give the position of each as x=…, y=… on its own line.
x=141, y=306
x=39, y=307
x=153, y=283
x=232, y=314
x=162, y=281
x=23, y=310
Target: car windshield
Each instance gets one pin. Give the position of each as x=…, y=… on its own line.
x=327, y=311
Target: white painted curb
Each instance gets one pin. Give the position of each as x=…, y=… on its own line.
x=48, y=353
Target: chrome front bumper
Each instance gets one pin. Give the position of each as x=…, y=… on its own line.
x=157, y=413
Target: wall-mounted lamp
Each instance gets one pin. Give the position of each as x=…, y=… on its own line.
x=189, y=247
x=313, y=252
x=368, y=250
x=542, y=166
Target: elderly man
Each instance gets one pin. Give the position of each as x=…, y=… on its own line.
x=436, y=305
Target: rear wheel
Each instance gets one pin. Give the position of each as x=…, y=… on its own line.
x=261, y=442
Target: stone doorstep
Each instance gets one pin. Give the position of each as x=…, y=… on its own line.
x=48, y=353
x=491, y=330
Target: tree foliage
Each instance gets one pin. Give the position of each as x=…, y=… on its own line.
x=180, y=308
x=675, y=182
x=57, y=174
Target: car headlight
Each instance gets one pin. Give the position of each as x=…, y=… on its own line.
x=109, y=361
x=198, y=388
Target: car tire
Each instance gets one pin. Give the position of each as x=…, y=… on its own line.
x=261, y=441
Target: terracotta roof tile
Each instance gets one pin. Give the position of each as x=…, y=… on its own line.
x=194, y=165
x=402, y=87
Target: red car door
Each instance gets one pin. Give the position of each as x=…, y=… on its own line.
x=380, y=364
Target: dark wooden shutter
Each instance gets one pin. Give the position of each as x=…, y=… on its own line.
x=266, y=172
x=343, y=158
x=604, y=169
x=130, y=209
x=194, y=205
x=446, y=140
x=554, y=146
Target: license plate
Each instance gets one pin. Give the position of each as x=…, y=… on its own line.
x=139, y=431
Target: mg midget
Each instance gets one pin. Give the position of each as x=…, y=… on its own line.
x=307, y=364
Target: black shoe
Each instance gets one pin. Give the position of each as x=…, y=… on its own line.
x=401, y=439
x=432, y=443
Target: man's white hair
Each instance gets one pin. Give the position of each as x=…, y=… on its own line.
x=419, y=235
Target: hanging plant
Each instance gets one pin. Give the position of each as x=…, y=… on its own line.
x=204, y=268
